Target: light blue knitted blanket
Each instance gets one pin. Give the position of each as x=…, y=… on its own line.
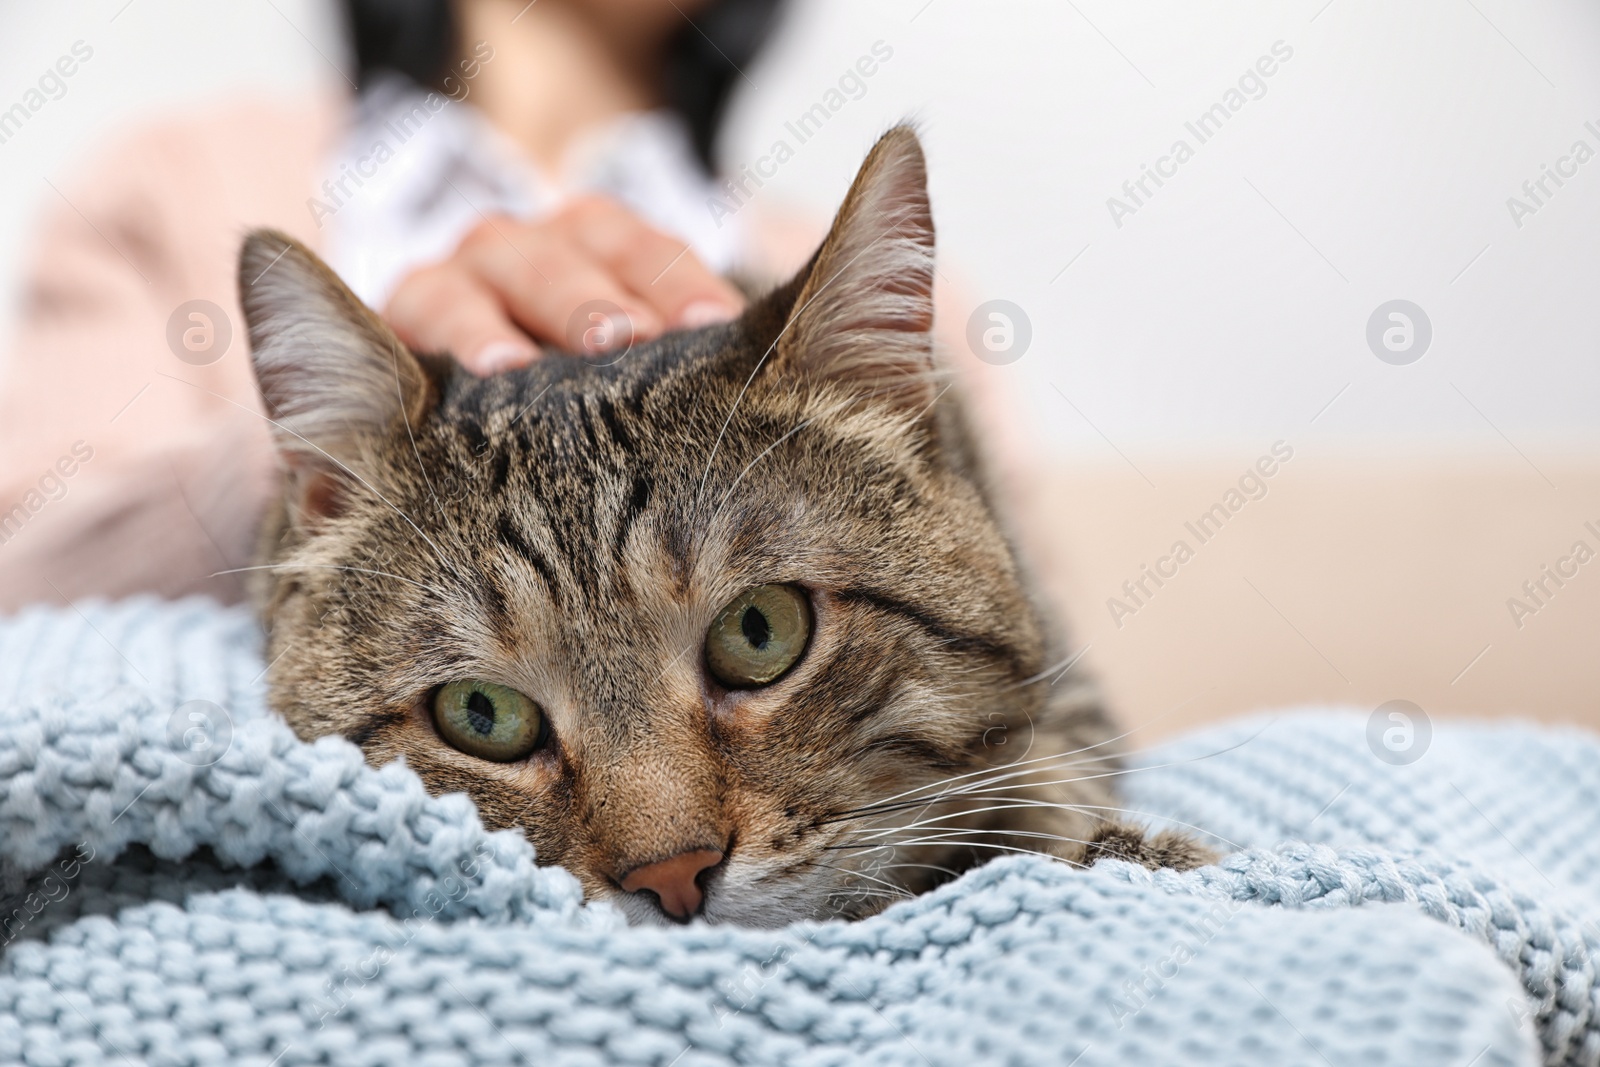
x=185, y=890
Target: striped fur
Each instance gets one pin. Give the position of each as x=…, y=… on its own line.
x=571, y=530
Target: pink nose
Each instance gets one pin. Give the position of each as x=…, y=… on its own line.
x=673, y=880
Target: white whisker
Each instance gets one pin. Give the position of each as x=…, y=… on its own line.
x=1005, y=773
x=1057, y=669
x=992, y=770
x=967, y=844
x=941, y=821
x=1086, y=809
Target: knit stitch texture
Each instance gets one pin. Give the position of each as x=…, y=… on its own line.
x=182, y=890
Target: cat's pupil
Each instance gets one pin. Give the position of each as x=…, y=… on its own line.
x=480, y=713
x=755, y=627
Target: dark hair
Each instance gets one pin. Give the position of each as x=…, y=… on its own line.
x=418, y=38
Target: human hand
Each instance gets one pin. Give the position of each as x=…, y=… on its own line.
x=512, y=285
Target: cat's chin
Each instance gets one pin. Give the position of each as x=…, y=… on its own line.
x=760, y=915
x=770, y=903
x=770, y=912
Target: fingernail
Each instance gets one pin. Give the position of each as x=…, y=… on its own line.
x=498, y=356
x=704, y=313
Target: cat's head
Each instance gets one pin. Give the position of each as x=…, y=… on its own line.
x=708, y=623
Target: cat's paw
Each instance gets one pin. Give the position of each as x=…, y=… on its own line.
x=1168, y=848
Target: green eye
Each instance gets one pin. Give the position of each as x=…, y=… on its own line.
x=758, y=636
x=489, y=721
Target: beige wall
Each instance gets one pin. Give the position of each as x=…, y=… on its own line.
x=1352, y=582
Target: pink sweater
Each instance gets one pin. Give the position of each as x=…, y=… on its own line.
x=124, y=468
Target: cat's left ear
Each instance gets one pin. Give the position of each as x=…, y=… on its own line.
x=864, y=315
x=335, y=379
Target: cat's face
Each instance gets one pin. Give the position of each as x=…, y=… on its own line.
x=678, y=618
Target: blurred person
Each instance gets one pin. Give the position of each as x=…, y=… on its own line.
x=503, y=170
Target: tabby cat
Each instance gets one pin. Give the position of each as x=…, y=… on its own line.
x=727, y=627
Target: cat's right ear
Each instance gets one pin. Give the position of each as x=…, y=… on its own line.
x=334, y=378
x=862, y=318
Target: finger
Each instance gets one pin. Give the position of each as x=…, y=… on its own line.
x=662, y=271
x=553, y=289
x=445, y=308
